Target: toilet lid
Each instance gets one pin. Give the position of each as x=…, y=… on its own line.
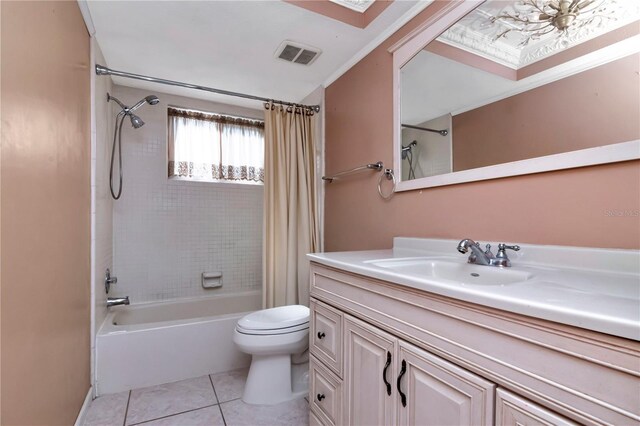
x=275, y=318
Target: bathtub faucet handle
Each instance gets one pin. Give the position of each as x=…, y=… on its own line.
x=108, y=280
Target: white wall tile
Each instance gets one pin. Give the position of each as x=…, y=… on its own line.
x=167, y=232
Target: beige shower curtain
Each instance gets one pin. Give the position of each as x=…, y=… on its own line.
x=290, y=201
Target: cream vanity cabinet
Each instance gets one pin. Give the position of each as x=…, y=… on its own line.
x=383, y=354
x=388, y=381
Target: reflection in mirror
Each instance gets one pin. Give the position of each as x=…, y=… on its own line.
x=506, y=93
x=426, y=148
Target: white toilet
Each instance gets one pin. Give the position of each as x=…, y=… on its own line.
x=278, y=341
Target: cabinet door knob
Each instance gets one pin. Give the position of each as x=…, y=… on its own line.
x=403, y=397
x=320, y=396
x=321, y=334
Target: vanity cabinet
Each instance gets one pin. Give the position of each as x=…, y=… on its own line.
x=370, y=374
x=437, y=392
x=400, y=356
x=388, y=381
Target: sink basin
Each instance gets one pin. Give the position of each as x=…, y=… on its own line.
x=462, y=273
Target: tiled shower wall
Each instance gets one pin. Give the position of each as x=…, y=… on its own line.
x=168, y=232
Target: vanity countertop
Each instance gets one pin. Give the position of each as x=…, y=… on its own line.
x=595, y=289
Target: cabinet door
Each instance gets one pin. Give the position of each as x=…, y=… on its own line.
x=369, y=362
x=513, y=410
x=440, y=393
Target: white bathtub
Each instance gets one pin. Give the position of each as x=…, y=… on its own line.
x=153, y=343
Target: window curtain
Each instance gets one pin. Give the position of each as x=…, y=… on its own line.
x=215, y=147
x=290, y=201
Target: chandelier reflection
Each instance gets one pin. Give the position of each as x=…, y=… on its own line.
x=537, y=18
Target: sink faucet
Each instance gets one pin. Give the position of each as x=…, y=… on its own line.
x=486, y=257
x=115, y=301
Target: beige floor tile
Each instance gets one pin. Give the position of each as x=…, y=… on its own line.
x=107, y=410
x=292, y=413
x=209, y=416
x=171, y=398
x=229, y=385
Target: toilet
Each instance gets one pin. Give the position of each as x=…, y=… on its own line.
x=278, y=341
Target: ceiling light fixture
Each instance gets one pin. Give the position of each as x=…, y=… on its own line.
x=538, y=18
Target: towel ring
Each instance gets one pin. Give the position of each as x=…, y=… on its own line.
x=388, y=173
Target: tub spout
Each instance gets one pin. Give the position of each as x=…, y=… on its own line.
x=115, y=301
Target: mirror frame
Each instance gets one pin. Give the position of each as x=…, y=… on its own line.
x=412, y=44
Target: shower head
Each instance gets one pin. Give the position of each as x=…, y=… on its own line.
x=151, y=100
x=136, y=121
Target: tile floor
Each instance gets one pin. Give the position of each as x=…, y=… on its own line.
x=212, y=400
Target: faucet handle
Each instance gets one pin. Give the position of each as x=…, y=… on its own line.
x=502, y=248
x=108, y=280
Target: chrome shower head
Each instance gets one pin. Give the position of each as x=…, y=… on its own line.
x=407, y=149
x=151, y=100
x=136, y=121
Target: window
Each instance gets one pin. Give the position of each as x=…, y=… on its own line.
x=213, y=147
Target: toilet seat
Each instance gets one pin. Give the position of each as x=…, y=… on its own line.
x=280, y=320
x=273, y=331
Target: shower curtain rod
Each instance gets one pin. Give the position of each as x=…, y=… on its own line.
x=102, y=70
x=444, y=132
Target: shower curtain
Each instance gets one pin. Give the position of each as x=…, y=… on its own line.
x=290, y=201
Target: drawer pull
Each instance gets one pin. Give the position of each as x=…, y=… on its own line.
x=403, y=397
x=384, y=373
x=321, y=335
x=320, y=396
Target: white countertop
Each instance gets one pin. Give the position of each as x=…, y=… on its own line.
x=595, y=289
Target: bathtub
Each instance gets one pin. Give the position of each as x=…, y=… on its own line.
x=153, y=343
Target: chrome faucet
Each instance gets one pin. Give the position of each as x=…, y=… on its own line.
x=486, y=257
x=115, y=301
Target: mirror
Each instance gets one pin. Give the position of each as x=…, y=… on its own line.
x=480, y=93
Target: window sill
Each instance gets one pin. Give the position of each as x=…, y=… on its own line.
x=215, y=182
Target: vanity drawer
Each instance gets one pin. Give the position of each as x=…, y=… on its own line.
x=325, y=394
x=326, y=335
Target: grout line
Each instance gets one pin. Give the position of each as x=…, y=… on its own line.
x=174, y=414
x=219, y=403
x=126, y=410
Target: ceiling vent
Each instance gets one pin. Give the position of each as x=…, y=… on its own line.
x=297, y=52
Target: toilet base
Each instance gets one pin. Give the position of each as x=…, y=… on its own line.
x=273, y=379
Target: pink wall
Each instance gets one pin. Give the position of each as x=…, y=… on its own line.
x=45, y=208
x=567, y=207
x=596, y=107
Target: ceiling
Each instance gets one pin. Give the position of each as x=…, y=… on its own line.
x=230, y=45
